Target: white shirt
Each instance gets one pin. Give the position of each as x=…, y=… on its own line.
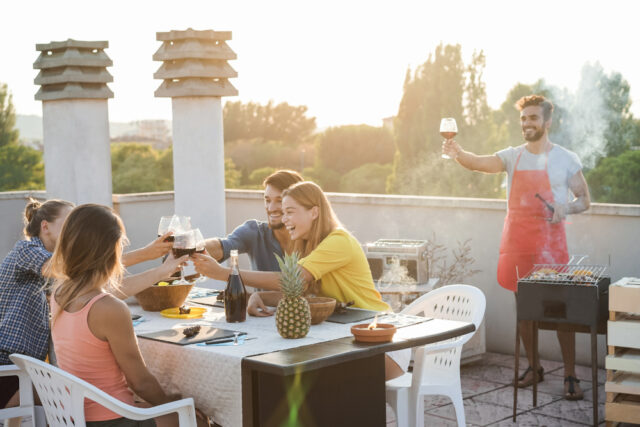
x=562, y=165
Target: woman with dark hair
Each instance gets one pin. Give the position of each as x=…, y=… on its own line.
x=332, y=261
x=24, y=312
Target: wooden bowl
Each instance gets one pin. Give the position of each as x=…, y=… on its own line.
x=383, y=332
x=321, y=308
x=270, y=298
x=158, y=298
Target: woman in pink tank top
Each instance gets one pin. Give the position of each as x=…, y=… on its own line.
x=91, y=329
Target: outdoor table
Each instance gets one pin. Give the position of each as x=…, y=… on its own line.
x=325, y=378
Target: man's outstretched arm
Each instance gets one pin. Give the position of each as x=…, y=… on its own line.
x=487, y=164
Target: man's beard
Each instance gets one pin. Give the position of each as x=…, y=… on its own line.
x=534, y=137
x=277, y=226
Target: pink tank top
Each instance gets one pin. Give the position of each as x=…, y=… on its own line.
x=80, y=353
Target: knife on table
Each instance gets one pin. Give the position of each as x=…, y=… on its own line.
x=225, y=339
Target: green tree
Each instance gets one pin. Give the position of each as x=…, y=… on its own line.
x=282, y=122
x=232, y=176
x=368, y=178
x=344, y=148
x=20, y=166
x=137, y=168
x=616, y=179
x=257, y=177
x=444, y=87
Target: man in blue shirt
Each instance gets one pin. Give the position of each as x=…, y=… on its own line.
x=261, y=239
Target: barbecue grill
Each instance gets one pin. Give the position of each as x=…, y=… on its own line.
x=571, y=297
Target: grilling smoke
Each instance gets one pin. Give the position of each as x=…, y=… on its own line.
x=586, y=116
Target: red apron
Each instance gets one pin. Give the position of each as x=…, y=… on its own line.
x=527, y=237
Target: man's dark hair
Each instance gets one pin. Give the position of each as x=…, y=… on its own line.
x=537, y=100
x=282, y=179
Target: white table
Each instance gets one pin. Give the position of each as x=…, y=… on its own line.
x=212, y=375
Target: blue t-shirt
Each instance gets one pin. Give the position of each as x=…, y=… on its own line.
x=257, y=240
x=24, y=312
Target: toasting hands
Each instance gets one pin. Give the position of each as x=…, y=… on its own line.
x=207, y=266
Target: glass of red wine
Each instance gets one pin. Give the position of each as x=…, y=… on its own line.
x=164, y=226
x=183, y=244
x=200, y=249
x=448, y=130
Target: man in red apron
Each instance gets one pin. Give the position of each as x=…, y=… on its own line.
x=533, y=233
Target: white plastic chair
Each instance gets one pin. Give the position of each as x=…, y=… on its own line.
x=436, y=367
x=10, y=416
x=63, y=394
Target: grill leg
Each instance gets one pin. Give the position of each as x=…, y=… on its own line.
x=535, y=363
x=517, y=362
x=594, y=372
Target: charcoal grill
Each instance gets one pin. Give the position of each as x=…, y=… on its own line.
x=570, y=297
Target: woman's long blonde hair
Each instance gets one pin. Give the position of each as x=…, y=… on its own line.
x=308, y=194
x=88, y=253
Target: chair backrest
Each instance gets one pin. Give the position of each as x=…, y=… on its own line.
x=452, y=302
x=61, y=393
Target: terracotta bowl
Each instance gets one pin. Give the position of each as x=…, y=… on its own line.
x=382, y=333
x=321, y=308
x=157, y=298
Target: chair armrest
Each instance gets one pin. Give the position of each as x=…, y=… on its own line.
x=184, y=408
x=439, y=347
x=9, y=370
x=25, y=388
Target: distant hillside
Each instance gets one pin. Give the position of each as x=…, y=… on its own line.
x=30, y=127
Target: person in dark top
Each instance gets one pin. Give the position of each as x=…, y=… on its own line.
x=261, y=239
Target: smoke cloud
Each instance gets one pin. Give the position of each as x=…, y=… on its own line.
x=584, y=115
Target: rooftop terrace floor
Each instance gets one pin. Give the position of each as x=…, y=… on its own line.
x=488, y=397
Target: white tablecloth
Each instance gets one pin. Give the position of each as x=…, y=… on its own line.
x=212, y=374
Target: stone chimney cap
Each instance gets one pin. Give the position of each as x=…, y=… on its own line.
x=194, y=87
x=193, y=34
x=195, y=49
x=195, y=68
x=58, y=75
x=72, y=43
x=73, y=91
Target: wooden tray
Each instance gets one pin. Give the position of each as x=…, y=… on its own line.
x=352, y=315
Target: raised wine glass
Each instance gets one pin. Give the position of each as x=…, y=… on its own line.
x=164, y=226
x=183, y=244
x=200, y=249
x=448, y=130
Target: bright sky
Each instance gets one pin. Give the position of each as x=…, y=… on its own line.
x=346, y=60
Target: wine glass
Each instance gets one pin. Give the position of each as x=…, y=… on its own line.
x=164, y=226
x=200, y=249
x=448, y=130
x=184, y=244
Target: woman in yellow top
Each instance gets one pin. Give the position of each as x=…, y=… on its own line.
x=330, y=256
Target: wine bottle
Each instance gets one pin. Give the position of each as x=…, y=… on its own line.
x=235, y=295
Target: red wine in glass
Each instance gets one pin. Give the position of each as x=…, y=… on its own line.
x=448, y=135
x=178, y=252
x=448, y=129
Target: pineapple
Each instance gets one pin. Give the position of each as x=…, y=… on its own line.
x=293, y=316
